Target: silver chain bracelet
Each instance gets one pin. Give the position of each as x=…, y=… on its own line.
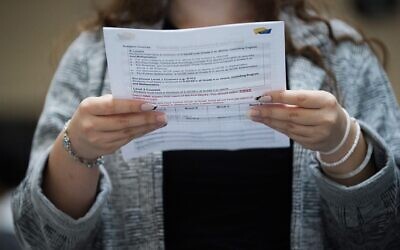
x=68, y=147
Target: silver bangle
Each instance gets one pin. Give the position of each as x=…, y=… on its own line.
x=359, y=168
x=68, y=147
x=344, y=139
x=346, y=156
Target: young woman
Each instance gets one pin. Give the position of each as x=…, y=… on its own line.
x=337, y=187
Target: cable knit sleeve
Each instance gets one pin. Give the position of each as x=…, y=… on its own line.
x=39, y=224
x=366, y=216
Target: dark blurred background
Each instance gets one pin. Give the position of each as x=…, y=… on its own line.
x=34, y=35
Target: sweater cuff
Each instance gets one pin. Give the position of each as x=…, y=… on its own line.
x=368, y=191
x=54, y=217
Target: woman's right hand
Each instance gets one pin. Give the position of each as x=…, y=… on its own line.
x=101, y=125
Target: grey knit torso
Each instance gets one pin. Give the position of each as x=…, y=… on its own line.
x=325, y=215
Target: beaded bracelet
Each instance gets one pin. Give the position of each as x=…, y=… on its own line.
x=346, y=156
x=359, y=168
x=68, y=147
x=345, y=136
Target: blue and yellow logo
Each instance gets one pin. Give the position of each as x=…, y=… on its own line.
x=262, y=31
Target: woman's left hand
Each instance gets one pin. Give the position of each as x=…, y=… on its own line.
x=312, y=118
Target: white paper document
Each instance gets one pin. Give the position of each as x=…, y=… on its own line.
x=204, y=79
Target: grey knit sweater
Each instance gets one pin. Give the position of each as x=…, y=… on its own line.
x=325, y=215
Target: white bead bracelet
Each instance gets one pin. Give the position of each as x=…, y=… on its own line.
x=359, y=168
x=345, y=136
x=346, y=156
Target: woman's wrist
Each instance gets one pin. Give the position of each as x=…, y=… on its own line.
x=359, y=168
x=69, y=186
x=348, y=153
x=345, y=137
x=353, y=162
x=346, y=146
x=67, y=144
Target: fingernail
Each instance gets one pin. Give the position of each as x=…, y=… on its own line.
x=162, y=119
x=147, y=107
x=252, y=113
x=264, y=98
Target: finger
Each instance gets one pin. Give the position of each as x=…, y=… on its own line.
x=125, y=136
x=125, y=121
x=107, y=105
x=111, y=141
x=305, y=141
x=287, y=113
x=290, y=129
x=302, y=98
